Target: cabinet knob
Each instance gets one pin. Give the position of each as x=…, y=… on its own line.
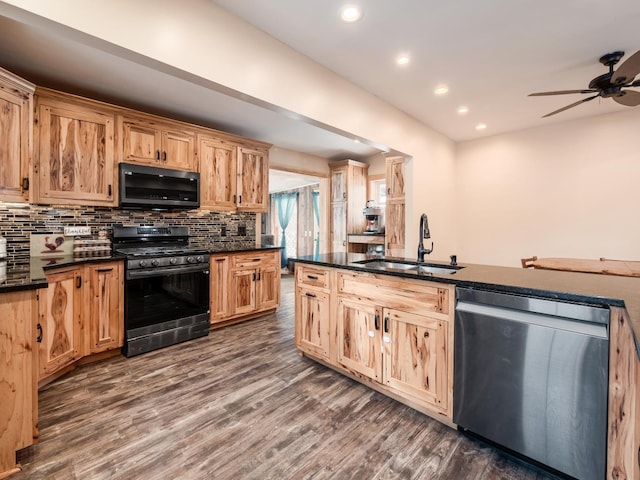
x=39, y=337
x=157, y=154
x=25, y=184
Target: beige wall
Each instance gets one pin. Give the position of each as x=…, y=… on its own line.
x=198, y=37
x=566, y=190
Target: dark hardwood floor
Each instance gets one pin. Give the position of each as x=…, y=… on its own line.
x=242, y=404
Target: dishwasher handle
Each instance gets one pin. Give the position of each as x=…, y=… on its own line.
x=561, y=323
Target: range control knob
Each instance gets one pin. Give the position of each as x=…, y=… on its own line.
x=142, y=263
x=173, y=260
x=199, y=259
x=190, y=260
x=155, y=262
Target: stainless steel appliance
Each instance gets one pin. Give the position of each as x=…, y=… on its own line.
x=158, y=188
x=374, y=219
x=531, y=375
x=166, y=288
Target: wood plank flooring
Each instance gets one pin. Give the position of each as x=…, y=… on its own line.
x=242, y=404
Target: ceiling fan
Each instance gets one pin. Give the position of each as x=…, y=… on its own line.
x=608, y=85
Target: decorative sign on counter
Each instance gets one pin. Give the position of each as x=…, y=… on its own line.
x=50, y=245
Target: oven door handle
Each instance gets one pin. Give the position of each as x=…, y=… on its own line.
x=157, y=272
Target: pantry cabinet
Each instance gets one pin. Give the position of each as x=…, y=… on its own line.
x=233, y=177
x=253, y=280
x=395, y=208
x=74, y=158
x=16, y=125
x=148, y=141
x=18, y=392
x=348, y=198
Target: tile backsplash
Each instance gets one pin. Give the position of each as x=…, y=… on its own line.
x=207, y=229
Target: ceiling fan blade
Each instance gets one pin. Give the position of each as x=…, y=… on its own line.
x=628, y=70
x=560, y=92
x=570, y=106
x=629, y=98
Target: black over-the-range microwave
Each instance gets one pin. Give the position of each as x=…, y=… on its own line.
x=142, y=186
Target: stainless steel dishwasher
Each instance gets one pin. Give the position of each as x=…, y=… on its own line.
x=531, y=375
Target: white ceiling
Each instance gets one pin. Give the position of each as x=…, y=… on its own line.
x=491, y=53
x=281, y=181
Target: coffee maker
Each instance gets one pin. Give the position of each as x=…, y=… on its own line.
x=374, y=219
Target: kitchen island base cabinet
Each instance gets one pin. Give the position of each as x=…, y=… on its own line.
x=18, y=393
x=243, y=285
x=392, y=334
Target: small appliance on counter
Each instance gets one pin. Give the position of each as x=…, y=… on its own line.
x=374, y=217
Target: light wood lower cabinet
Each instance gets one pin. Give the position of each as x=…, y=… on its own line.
x=18, y=392
x=394, y=334
x=243, y=285
x=80, y=313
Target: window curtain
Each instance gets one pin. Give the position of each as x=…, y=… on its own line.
x=315, y=197
x=285, y=203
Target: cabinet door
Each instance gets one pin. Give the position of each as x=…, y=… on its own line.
x=415, y=356
x=17, y=381
x=141, y=143
x=339, y=184
x=243, y=291
x=338, y=227
x=218, y=178
x=394, y=228
x=76, y=156
x=312, y=316
x=106, y=306
x=59, y=318
x=178, y=150
x=219, y=295
x=395, y=178
x=268, y=287
x=15, y=125
x=359, y=337
x=253, y=180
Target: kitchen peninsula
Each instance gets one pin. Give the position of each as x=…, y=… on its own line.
x=336, y=292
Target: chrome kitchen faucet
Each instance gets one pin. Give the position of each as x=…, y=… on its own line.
x=423, y=233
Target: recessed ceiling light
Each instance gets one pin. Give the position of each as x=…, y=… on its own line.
x=481, y=126
x=350, y=13
x=441, y=90
x=463, y=110
x=403, y=59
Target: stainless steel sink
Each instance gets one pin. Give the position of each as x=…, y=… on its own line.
x=410, y=267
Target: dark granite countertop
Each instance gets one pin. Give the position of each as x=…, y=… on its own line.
x=28, y=274
x=590, y=288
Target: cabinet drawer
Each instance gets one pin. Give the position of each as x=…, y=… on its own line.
x=251, y=260
x=393, y=292
x=312, y=277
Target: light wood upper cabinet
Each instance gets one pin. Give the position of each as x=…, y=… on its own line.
x=75, y=155
x=60, y=321
x=253, y=180
x=232, y=177
x=105, y=305
x=218, y=177
x=395, y=178
x=149, y=142
x=16, y=125
x=18, y=392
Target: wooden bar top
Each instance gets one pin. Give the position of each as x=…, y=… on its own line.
x=625, y=268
